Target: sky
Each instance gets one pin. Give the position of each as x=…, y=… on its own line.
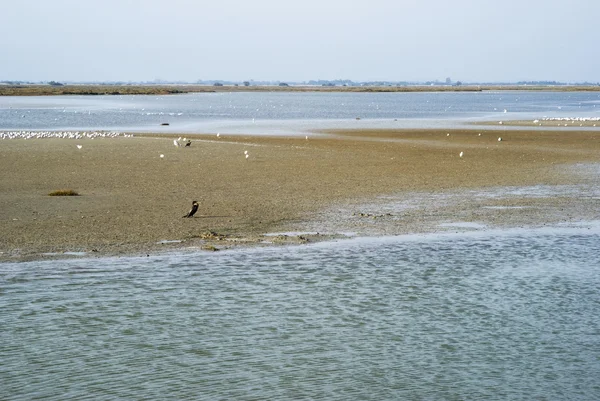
x=401, y=40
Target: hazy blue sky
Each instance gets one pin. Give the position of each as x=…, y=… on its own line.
x=469, y=40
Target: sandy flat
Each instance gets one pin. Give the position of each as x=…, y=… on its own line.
x=132, y=200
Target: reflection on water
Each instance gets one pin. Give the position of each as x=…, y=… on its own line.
x=488, y=315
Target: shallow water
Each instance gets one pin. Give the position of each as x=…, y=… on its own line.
x=286, y=113
x=481, y=315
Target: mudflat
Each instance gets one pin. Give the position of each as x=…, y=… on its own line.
x=131, y=200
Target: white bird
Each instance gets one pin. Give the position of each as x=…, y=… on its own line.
x=245, y=152
x=176, y=143
x=447, y=134
x=218, y=134
x=461, y=154
x=505, y=110
x=479, y=134
x=499, y=139
x=306, y=137
x=79, y=146
x=162, y=156
x=500, y=122
x=247, y=156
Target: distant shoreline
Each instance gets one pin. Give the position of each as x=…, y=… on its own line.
x=49, y=90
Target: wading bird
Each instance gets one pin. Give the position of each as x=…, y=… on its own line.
x=193, y=210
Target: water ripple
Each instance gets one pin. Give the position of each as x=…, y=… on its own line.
x=466, y=316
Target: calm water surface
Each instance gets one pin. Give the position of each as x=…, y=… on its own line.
x=489, y=315
x=291, y=112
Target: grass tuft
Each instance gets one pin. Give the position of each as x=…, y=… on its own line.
x=63, y=192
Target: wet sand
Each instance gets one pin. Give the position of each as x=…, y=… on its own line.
x=132, y=201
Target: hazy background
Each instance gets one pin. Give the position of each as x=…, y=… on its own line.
x=139, y=40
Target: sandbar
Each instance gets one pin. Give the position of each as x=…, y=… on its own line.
x=132, y=200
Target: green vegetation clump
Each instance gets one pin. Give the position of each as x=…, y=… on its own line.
x=63, y=192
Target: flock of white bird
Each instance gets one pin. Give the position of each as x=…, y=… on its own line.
x=566, y=120
x=61, y=134
x=571, y=119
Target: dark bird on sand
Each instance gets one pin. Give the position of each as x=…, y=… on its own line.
x=188, y=143
x=193, y=210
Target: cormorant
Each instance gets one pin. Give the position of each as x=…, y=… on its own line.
x=193, y=210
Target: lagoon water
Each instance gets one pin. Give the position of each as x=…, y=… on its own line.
x=287, y=113
x=490, y=315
